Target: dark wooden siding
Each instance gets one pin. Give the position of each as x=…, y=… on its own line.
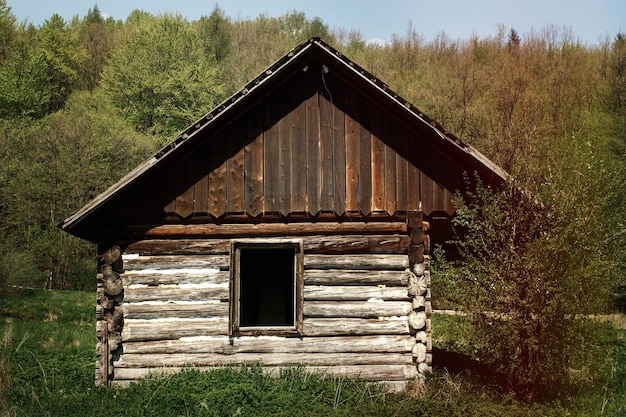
x=311, y=146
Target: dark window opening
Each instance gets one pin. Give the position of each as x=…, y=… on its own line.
x=267, y=282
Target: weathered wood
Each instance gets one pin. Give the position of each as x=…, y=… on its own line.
x=352, y=157
x=365, y=158
x=349, y=326
x=391, y=143
x=395, y=243
x=111, y=255
x=155, y=277
x=265, y=229
x=201, y=186
x=347, y=277
x=217, y=178
x=179, y=247
x=217, y=292
x=111, y=282
x=235, y=170
x=363, y=310
x=378, y=166
x=326, y=167
x=162, y=329
x=417, y=236
x=414, y=219
x=184, y=196
x=253, y=169
x=181, y=309
x=416, y=253
x=134, y=263
x=271, y=154
x=353, y=293
x=386, y=262
x=298, y=155
x=312, y=145
x=147, y=360
x=402, y=166
x=263, y=344
x=369, y=372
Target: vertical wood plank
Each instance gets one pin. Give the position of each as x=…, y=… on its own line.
x=271, y=172
x=439, y=192
x=402, y=166
x=284, y=154
x=426, y=180
x=312, y=149
x=390, y=141
x=327, y=132
x=298, y=157
x=253, y=164
x=201, y=187
x=378, y=163
x=339, y=144
x=414, y=152
x=169, y=187
x=185, y=189
x=352, y=154
x=217, y=177
x=235, y=167
x=365, y=159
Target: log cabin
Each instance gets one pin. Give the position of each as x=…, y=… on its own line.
x=291, y=225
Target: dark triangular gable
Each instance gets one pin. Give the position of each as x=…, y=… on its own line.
x=313, y=136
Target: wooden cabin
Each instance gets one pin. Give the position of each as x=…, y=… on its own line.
x=288, y=226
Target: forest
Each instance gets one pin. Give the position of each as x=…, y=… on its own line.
x=84, y=101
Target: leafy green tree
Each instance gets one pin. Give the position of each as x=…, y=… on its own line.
x=160, y=77
x=98, y=36
x=54, y=167
x=41, y=71
x=215, y=31
x=8, y=30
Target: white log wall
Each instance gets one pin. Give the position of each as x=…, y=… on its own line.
x=356, y=309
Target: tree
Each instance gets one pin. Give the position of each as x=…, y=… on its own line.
x=41, y=71
x=7, y=30
x=54, y=167
x=215, y=31
x=160, y=77
x=98, y=37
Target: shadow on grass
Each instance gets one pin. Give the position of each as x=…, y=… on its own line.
x=458, y=364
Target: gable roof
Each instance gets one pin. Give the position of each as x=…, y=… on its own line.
x=296, y=61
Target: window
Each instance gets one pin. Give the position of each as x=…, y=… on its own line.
x=266, y=287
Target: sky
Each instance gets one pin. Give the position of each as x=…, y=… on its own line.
x=590, y=21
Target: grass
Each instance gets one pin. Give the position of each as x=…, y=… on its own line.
x=47, y=359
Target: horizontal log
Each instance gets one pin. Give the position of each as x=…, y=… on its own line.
x=179, y=246
x=336, y=244
x=134, y=295
x=366, y=372
x=176, y=276
x=133, y=262
x=157, y=310
x=364, y=310
x=146, y=360
x=139, y=329
x=354, y=293
x=351, y=326
x=348, y=261
x=347, y=277
x=232, y=230
x=262, y=344
x=378, y=262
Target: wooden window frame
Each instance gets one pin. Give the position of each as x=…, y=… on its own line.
x=235, y=329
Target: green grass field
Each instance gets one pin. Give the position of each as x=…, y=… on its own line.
x=47, y=354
